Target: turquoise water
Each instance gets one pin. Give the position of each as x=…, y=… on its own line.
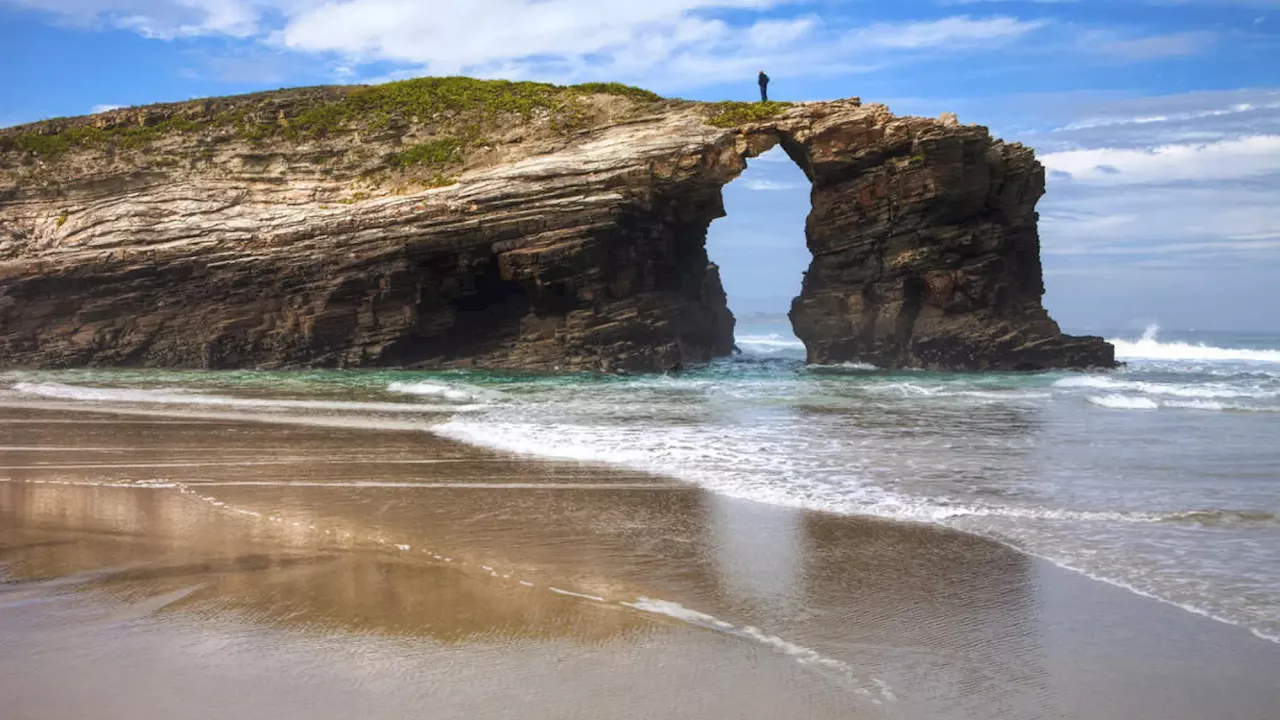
x=1163, y=478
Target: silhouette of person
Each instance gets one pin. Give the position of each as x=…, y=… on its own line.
x=764, y=87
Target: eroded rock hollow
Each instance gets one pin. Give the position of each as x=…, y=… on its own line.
x=166, y=237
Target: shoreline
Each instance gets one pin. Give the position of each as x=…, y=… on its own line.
x=389, y=424
x=519, y=560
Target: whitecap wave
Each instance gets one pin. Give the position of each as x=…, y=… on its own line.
x=770, y=344
x=854, y=367
x=1194, y=391
x=1116, y=401
x=1149, y=347
x=428, y=388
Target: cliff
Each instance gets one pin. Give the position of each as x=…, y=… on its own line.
x=453, y=222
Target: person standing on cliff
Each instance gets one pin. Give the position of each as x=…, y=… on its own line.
x=764, y=87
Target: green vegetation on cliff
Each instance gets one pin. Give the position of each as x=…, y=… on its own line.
x=731, y=114
x=433, y=152
x=428, y=99
x=426, y=130
x=52, y=144
x=464, y=106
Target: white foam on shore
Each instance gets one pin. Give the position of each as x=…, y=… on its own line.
x=181, y=396
x=786, y=486
x=876, y=689
x=201, y=415
x=1149, y=347
x=1115, y=582
x=582, y=596
x=776, y=476
x=131, y=484
x=607, y=486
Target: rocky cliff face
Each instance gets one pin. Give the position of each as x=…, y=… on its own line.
x=561, y=231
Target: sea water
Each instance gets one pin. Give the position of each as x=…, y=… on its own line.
x=1162, y=478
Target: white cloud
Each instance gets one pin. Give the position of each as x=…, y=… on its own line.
x=778, y=33
x=1188, y=225
x=571, y=39
x=768, y=185
x=1174, y=115
x=104, y=108
x=666, y=44
x=1151, y=47
x=947, y=33
x=1235, y=159
x=165, y=19
x=1129, y=195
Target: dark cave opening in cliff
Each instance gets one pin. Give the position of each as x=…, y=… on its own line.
x=760, y=248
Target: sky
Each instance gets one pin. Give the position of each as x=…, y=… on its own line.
x=1158, y=120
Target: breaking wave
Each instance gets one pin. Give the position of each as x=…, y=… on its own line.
x=1200, y=390
x=1149, y=347
x=1117, y=393
x=769, y=344
x=1123, y=402
x=788, y=482
x=446, y=391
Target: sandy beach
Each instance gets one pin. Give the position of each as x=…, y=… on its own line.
x=162, y=567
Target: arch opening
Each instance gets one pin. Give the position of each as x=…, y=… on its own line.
x=760, y=249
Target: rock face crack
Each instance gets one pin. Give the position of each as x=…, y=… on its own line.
x=589, y=255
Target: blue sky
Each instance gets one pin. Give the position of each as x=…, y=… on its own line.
x=1159, y=120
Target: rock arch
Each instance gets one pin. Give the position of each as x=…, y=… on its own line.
x=926, y=251
x=579, y=254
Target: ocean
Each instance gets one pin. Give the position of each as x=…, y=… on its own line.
x=1162, y=478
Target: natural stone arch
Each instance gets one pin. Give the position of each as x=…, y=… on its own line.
x=585, y=252
x=925, y=245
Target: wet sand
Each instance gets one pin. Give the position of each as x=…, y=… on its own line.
x=172, y=568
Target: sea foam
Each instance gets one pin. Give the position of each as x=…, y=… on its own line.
x=769, y=344
x=181, y=396
x=876, y=689
x=1149, y=347
x=427, y=388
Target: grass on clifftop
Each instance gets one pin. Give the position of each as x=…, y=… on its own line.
x=466, y=105
x=426, y=99
x=459, y=111
x=731, y=114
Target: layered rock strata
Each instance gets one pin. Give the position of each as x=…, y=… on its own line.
x=548, y=249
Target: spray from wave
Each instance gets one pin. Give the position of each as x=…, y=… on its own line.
x=769, y=344
x=1149, y=347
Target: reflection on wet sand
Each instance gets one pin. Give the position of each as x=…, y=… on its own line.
x=281, y=571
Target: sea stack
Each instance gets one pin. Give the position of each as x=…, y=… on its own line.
x=449, y=222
